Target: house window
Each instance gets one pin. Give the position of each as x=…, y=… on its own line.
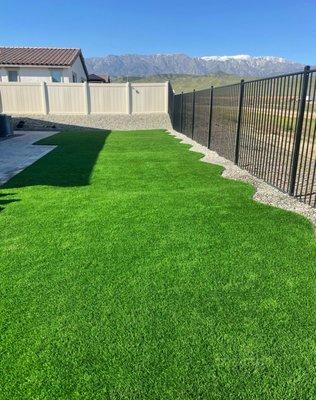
x=13, y=76
x=56, y=75
x=74, y=77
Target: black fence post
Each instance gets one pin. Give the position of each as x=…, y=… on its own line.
x=173, y=111
x=193, y=112
x=181, y=113
x=298, y=130
x=170, y=102
x=210, y=119
x=240, y=108
x=173, y=96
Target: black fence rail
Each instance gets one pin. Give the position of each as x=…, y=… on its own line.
x=266, y=126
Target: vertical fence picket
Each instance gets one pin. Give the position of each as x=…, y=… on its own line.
x=240, y=110
x=298, y=130
x=181, y=113
x=193, y=113
x=210, y=118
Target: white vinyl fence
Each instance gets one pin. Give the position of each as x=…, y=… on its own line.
x=83, y=98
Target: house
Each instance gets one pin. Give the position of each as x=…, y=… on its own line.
x=99, y=78
x=42, y=64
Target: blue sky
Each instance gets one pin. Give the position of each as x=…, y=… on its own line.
x=279, y=28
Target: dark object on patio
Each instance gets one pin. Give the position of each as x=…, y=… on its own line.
x=50, y=126
x=6, y=128
x=20, y=124
x=47, y=126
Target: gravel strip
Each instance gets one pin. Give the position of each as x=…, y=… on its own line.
x=93, y=121
x=265, y=193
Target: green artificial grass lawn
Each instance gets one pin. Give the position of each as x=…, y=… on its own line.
x=131, y=270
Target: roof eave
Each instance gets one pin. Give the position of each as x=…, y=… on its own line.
x=33, y=66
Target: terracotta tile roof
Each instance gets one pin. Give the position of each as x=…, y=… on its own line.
x=38, y=56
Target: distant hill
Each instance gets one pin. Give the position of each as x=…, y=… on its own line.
x=186, y=83
x=145, y=65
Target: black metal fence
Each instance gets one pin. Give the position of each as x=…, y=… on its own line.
x=266, y=126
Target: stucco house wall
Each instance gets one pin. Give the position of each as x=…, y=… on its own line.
x=43, y=73
x=28, y=74
x=77, y=67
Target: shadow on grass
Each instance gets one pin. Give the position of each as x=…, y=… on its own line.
x=69, y=164
x=4, y=202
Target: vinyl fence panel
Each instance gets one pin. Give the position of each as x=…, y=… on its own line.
x=108, y=98
x=21, y=98
x=82, y=98
x=66, y=98
x=149, y=97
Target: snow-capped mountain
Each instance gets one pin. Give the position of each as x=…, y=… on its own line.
x=244, y=57
x=226, y=58
x=142, y=65
x=253, y=66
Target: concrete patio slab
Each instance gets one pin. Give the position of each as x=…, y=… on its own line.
x=18, y=152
